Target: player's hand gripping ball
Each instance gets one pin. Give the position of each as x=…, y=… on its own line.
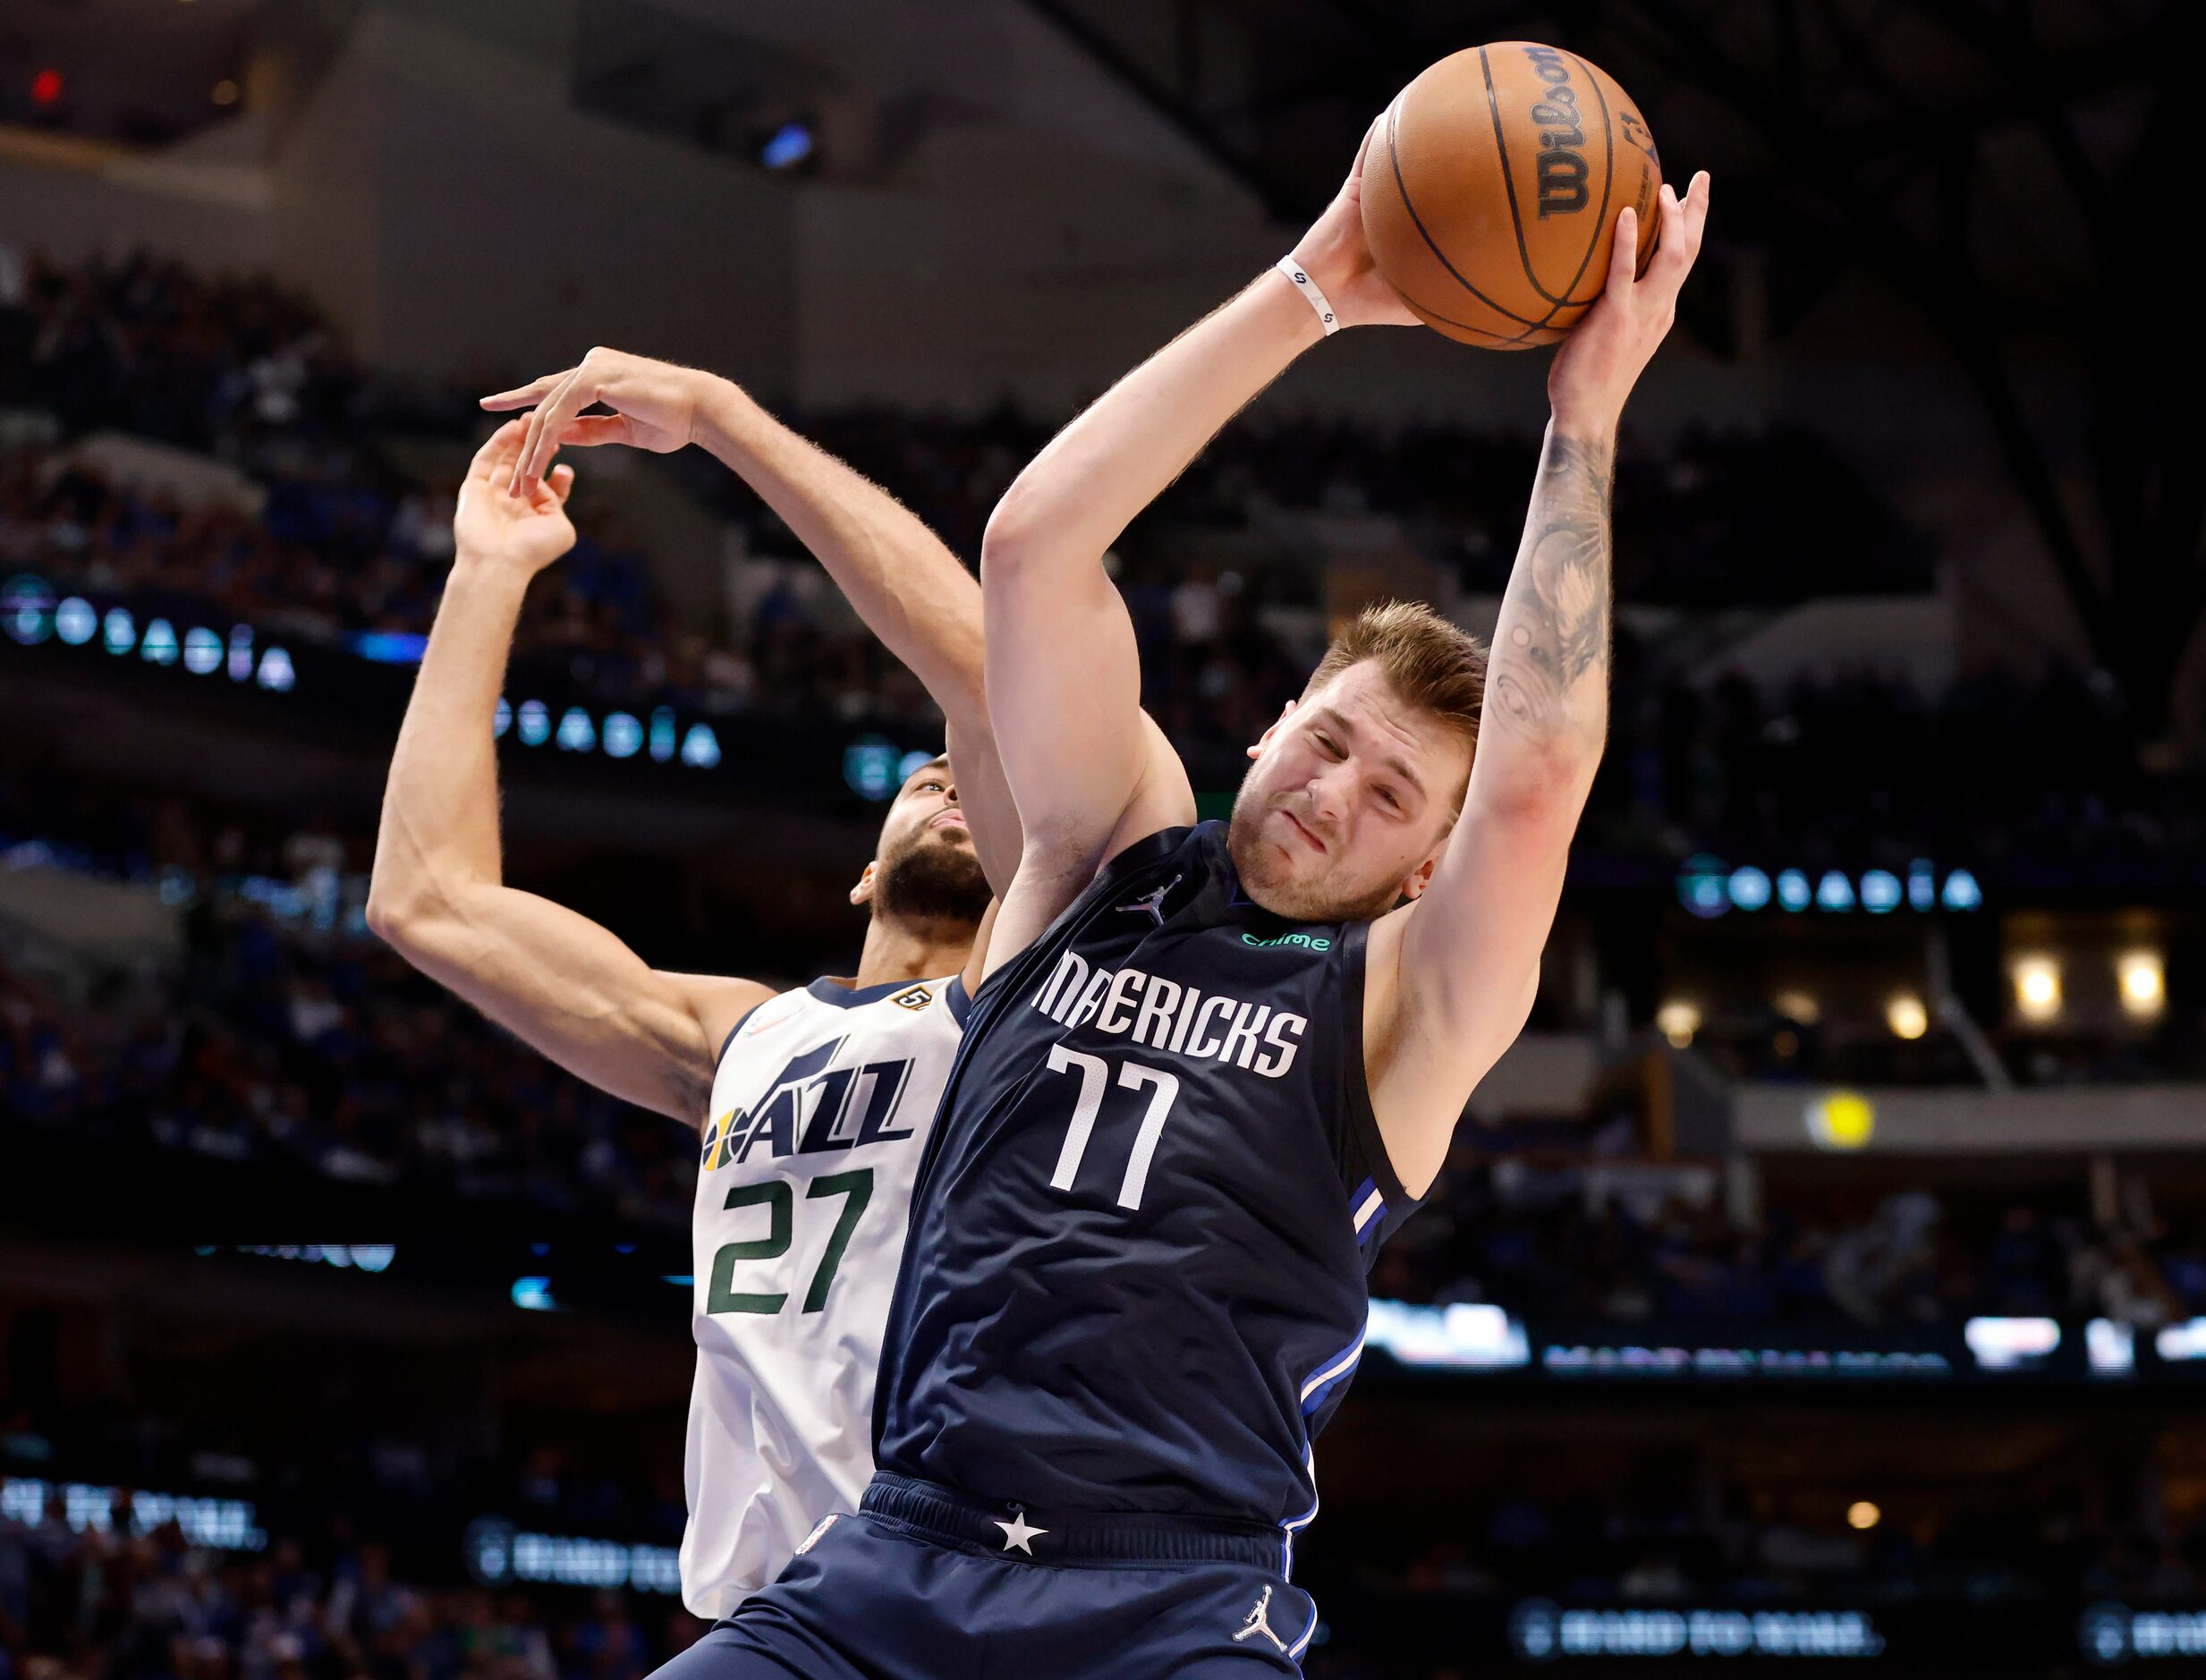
x=1492, y=189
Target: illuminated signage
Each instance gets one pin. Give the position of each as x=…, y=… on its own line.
x=31, y=615
x=1709, y=888
x=368, y=1257
x=874, y=767
x=2112, y=1635
x=622, y=735
x=1543, y=1631
x=1656, y=1360
x=226, y=1524
x=2011, y=1344
x=2180, y=1344
x=1465, y=1336
x=497, y=1553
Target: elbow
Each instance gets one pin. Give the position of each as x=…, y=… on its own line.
x=390, y=917
x=1010, y=544
x=1545, y=780
x=399, y=912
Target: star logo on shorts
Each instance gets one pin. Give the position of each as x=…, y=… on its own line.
x=1151, y=904
x=1016, y=1533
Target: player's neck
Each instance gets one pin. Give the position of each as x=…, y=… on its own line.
x=901, y=949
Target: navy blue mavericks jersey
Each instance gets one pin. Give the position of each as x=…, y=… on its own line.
x=1134, y=1279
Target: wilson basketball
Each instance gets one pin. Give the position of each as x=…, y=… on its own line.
x=1491, y=193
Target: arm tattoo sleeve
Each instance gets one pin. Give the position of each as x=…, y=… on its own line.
x=1549, y=670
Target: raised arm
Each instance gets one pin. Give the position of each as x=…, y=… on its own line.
x=910, y=589
x=1089, y=775
x=559, y=982
x=1452, y=976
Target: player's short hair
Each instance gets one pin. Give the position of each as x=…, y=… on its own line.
x=1437, y=666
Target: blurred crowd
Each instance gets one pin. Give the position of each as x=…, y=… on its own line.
x=1644, y=1246
x=240, y=370
x=282, y=1034
x=85, y=1602
x=1674, y=1539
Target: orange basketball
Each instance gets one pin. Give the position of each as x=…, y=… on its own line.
x=1491, y=192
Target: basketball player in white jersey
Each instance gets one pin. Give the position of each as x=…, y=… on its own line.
x=814, y=1104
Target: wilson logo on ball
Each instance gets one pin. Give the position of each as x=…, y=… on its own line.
x=1562, y=168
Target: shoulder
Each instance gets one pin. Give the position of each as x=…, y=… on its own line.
x=722, y=1004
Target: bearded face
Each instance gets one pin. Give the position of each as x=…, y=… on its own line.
x=926, y=869
x=932, y=875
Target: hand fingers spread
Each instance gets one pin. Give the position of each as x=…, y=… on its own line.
x=1696, y=211
x=496, y=454
x=529, y=467
x=1623, y=256
x=586, y=429
x=522, y=395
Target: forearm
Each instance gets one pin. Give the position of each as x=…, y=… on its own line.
x=439, y=829
x=1082, y=490
x=910, y=589
x=1547, y=686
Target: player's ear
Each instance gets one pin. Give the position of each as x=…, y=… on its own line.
x=1413, y=885
x=1286, y=712
x=862, y=894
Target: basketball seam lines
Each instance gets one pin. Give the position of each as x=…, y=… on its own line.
x=1608, y=186
x=1394, y=161
x=1516, y=217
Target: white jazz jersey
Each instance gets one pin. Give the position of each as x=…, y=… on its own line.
x=821, y=1108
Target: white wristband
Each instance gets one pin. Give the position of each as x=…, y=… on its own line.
x=1312, y=295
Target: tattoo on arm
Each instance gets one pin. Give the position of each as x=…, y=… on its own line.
x=1551, y=644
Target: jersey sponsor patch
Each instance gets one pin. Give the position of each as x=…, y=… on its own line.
x=918, y=997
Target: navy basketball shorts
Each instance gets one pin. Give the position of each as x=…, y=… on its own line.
x=925, y=1584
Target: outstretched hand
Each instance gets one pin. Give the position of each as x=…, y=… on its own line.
x=530, y=530
x=1601, y=361
x=1334, y=254
x=655, y=405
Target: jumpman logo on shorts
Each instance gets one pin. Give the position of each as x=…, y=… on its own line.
x=1153, y=904
x=1260, y=1622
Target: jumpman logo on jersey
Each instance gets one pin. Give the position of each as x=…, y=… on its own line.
x=1153, y=904
x=1260, y=1622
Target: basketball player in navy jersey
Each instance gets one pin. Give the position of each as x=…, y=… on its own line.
x=1211, y=1067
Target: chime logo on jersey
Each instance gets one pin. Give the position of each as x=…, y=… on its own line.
x=812, y=1107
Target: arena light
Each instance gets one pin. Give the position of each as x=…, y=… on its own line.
x=2011, y=1344
x=788, y=146
x=1841, y=1121
x=1905, y=1014
x=2181, y=1344
x=1802, y=1006
x=1678, y=1021
x=2037, y=986
x=1863, y=1514
x=1709, y=888
x=2110, y=1347
x=2143, y=976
